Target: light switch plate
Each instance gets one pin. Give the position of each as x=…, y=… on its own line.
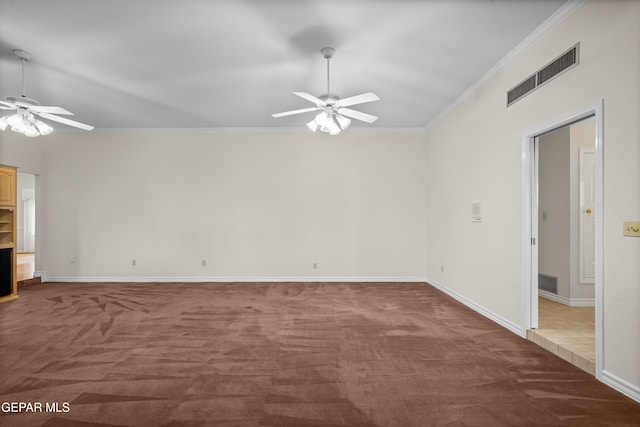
x=632, y=228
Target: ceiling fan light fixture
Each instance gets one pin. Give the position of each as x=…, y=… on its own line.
x=31, y=131
x=343, y=121
x=323, y=119
x=25, y=123
x=334, y=130
x=43, y=128
x=329, y=122
x=313, y=125
x=16, y=121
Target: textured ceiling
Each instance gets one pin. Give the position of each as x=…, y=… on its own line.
x=209, y=64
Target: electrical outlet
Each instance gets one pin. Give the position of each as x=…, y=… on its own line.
x=315, y=265
x=133, y=262
x=442, y=269
x=204, y=262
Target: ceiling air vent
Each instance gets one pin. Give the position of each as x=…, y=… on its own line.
x=558, y=66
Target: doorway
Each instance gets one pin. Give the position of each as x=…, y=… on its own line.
x=564, y=285
x=565, y=158
x=26, y=226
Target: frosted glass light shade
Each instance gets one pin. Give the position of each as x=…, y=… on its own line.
x=25, y=123
x=330, y=122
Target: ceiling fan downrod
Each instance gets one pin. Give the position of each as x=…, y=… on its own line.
x=328, y=52
x=24, y=57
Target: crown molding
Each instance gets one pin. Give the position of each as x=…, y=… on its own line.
x=247, y=130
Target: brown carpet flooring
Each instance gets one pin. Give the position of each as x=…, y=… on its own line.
x=281, y=354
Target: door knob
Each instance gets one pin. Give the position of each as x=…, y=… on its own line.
x=588, y=211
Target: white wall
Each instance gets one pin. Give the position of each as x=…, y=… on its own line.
x=554, y=216
x=254, y=206
x=582, y=135
x=26, y=187
x=474, y=153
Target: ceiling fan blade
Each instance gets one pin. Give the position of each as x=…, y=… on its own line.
x=8, y=105
x=51, y=110
x=289, y=113
x=358, y=99
x=319, y=102
x=357, y=115
x=65, y=121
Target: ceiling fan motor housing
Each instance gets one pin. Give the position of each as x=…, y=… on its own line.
x=329, y=98
x=327, y=52
x=22, y=101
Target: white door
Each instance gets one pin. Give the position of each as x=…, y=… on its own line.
x=587, y=253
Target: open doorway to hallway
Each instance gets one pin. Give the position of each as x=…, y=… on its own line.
x=26, y=227
x=565, y=160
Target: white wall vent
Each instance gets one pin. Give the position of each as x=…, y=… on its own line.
x=558, y=66
x=521, y=90
x=548, y=283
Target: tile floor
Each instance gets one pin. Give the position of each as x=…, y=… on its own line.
x=566, y=331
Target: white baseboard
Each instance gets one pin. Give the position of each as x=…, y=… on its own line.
x=235, y=279
x=573, y=302
x=624, y=387
x=513, y=327
x=582, y=302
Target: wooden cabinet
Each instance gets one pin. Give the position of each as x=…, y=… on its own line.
x=8, y=185
x=8, y=234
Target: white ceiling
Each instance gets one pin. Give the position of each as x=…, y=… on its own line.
x=209, y=64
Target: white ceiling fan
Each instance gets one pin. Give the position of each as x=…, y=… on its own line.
x=333, y=117
x=26, y=109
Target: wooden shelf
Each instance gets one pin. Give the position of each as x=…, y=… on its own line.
x=8, y=233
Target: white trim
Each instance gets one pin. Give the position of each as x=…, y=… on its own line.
x=599, y=238
x=529, y=292
x=624, y=387
x=553, y=21
x=553, y=297
x=513, y=327
x=236, y=279
x=582, y=302
x=528, y=232
x=572, y=302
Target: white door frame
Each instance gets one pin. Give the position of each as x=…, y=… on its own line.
x=529, y=223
